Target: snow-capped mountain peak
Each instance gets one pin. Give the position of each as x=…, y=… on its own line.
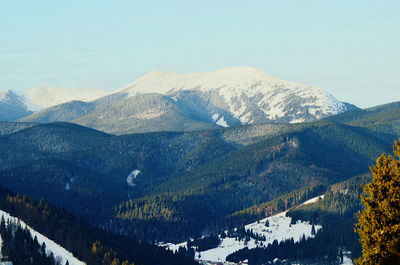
x=193, y=101
x=164, y=82
x=242, y=94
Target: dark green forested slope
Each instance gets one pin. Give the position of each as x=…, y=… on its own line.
x=383, y=121
x=47, y=140
x=336, y=212
x=189, y=182
x=322, y=154
x=11, y=127
x=20, y=248
x=278, y=205
x=80, y=190
x=88, y=243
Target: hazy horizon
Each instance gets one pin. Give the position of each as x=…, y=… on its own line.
x=349, y=49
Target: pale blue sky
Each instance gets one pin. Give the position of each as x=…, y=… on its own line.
x=349, y=48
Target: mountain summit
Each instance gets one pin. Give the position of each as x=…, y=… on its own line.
x=232, y=96
x=241, y=95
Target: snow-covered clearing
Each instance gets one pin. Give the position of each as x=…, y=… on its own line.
x=347, y=261
x=279, y=228
x=51, y=247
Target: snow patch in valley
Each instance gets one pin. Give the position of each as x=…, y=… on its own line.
x=215, y=117
x=68, y=184
x=173, y=247
x=131, y=177
x=222, y=122
x=347, y=260
x=51, y=246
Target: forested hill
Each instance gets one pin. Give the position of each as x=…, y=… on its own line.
x=383, y=120
x=88, y=243
x=170, y=186
x=173, y=185
x=336, y=213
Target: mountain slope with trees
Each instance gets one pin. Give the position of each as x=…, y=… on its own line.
x=336, y=213
x=186, y=183
x=90, y=244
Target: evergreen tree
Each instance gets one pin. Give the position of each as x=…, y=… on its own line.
x=379, y=222
x=313, y=230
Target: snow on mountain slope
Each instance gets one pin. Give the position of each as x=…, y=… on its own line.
x=162, y=101
x=51, y=246
x=9, y=97
x=279, y=228
x=13, y=106
x=246, y=94
x=46, y=96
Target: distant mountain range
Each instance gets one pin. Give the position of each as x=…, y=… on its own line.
x=48, y=96
x=183, y=102
x=14, y=105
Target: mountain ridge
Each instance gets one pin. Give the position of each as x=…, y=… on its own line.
x=226, y=97
x=236, y=82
